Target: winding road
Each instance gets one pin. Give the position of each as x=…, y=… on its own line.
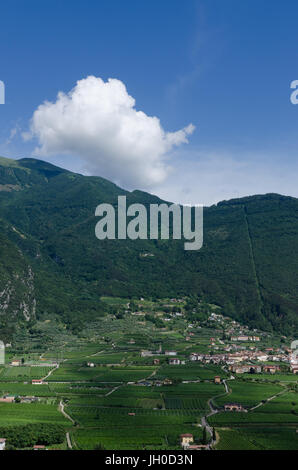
x=213, y=411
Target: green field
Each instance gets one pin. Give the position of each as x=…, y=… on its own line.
x=257, y=439
x=23, y=413
x=248, y=394
x=127, y=402
x=23, y=373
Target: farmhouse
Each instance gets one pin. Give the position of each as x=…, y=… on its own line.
x=196, y=357
x=174, y=361
x=170, y=353
x=217, y=379
x=2, y=443
x=186, y=439
x=294, y=369
x=233, y=407
x=39, y=447
x=7, y=399
x=37, y=382
x=167, y=382
x=15, y=363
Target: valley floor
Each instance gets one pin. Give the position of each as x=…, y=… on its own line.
x=117, y=387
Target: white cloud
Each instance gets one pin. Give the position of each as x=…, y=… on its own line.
x=98, y=122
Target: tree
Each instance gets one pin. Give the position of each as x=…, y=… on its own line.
x=204, y=439
x=213, y=434
x=99, y=446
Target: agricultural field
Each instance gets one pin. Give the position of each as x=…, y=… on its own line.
x=23, y=413
x=248, y=394
x=107, y=393
x=257, y=439
x=23, y=373
x=117, y=430
x=190, y=372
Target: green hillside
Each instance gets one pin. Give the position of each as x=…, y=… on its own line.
x=51, y=261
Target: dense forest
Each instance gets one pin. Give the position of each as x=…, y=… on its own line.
x=52, y=263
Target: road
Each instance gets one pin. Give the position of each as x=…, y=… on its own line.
x=61, y=408
x=69, y=444
x=205, y=424
x=213, y=411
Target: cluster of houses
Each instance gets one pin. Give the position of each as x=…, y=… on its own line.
x=235, y=358
x=159, y=352
x=253, y=368
x=251, y=339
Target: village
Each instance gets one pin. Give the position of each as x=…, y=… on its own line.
x=160, y=365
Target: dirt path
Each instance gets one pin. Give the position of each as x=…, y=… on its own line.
x=51, y=371
x=112, y=391
x=268, y=399
x=61, y=408
x=96, y=354
x=68, y=440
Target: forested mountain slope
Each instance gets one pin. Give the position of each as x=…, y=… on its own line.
x=51, y=261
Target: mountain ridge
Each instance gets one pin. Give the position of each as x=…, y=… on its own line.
x=248, y=264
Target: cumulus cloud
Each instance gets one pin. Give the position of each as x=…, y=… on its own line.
x=98, y=122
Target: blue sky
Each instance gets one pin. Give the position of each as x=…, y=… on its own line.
x=223, y=65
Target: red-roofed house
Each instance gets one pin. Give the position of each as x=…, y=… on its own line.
x=37, y=382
